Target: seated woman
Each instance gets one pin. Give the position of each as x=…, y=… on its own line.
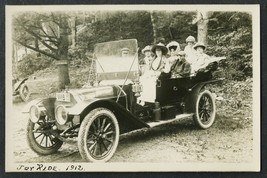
x=174, y=49
x=201, y=59
x=160, y=68
x=181, y=68
x=160, y=65
x=146, y=62
x=189, y=50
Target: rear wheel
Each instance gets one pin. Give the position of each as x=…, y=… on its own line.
x=40, y=138
x=205, y=110
x=98, y=135
x=24, y=92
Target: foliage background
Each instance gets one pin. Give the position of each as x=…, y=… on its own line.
x=229, y=34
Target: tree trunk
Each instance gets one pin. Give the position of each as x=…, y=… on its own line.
x=153, y=22
x=202, y=27
x=14, y=60
x=36, y=43
x=73, y=31
x=63, y=72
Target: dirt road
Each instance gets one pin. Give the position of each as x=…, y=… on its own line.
x=228, y=140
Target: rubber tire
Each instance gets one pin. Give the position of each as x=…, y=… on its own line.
x=197, y=120
x=35, y=146
x=86, y=123
x=23, y=97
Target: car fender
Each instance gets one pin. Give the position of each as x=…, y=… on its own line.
x=80, y=107
x=191, y=97
x=18, y=84
x=127, y=121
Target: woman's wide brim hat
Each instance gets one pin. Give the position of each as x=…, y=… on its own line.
x=174, y=44
x=199, y=44
x=147, y=48
x=161, y=46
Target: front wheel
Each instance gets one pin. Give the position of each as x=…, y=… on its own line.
x=24, y=92
x=40, y=139
x=98, y=136
x=205, y=110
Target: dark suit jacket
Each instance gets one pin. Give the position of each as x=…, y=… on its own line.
x=181, y=69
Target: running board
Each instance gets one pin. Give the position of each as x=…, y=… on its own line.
x=161, y=122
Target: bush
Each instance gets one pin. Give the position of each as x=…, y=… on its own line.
x=238, y=63
x=31, y=63
x=230, y=35
x=79, y=56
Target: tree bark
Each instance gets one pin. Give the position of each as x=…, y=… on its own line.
x=153, y=22
x=73, y=31
x=14, y=59
x=202, y=27
x=63, y=72
x=36, y=43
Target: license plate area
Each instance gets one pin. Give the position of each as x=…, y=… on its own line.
x=64, y=97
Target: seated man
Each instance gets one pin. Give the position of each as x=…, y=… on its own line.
x=181, y=68
x=125, y=52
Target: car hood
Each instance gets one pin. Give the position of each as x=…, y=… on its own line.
x=95, y=92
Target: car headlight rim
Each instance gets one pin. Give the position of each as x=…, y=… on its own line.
x=61, y=115
x=35, y=113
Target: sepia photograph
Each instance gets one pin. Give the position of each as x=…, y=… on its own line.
x=97, y=88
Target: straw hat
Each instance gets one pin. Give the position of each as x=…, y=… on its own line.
x=199, y=44
x=190, y=39
x=147, y=48
x=161, y=46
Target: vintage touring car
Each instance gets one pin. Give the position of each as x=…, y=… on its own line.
x=21, y=89
x=95, y=116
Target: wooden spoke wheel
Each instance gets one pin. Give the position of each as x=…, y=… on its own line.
x=40, y=138
x=205, y=110
x=24, y=92
x=98, y=135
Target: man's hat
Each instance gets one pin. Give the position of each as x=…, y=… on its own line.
x=190, y=39
x=147, y=48
x=125, y=49
x=181, y=53
x=161, y=46
x=199, y=44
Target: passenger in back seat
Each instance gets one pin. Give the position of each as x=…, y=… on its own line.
x=160, y=68
x=181, y=68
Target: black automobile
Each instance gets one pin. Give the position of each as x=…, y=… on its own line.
x=95, y=116
x=21, y=89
